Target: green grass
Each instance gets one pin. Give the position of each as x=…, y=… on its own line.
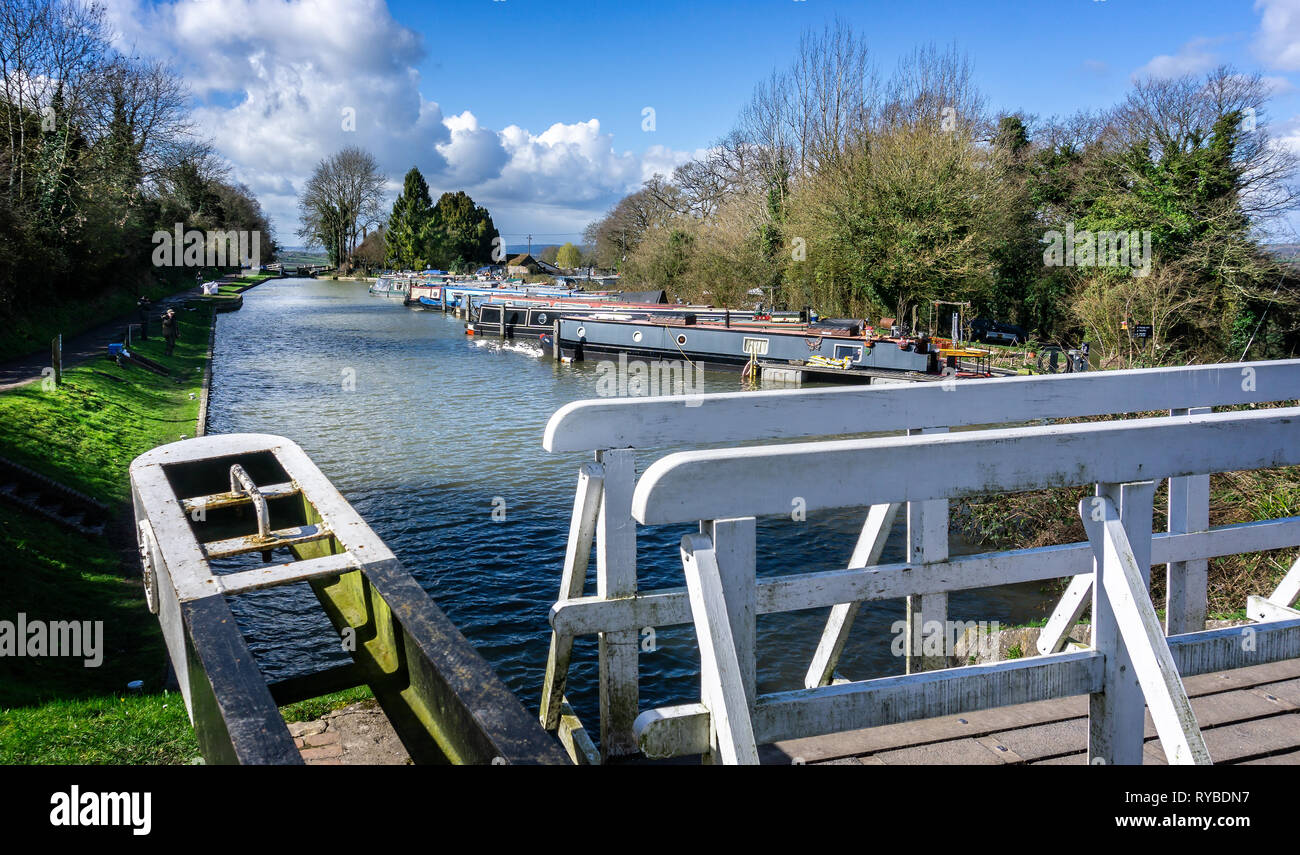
x=86, y=432
x=317, y=707
x=55, y=574
x=116, y=729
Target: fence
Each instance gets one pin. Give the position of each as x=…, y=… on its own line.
x=603, y=512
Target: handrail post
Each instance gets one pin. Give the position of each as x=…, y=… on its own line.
x=735, y=549
x=616, y=577
x=927, y=541
x=1115, y=714
x=1187, y=581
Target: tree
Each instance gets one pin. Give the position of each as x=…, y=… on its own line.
x=373, y=251
x=99, y=151
x=340, y=202
x=461, y=233
x=407, y=236
x=568, y=257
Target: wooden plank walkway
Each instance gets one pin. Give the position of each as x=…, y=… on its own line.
x=1248, y=716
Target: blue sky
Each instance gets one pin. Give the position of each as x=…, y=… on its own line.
x=697, y=62
x=536, y=108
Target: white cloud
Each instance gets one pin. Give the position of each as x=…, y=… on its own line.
x=278, y=80
x=1194, y=57
x=1278, y=40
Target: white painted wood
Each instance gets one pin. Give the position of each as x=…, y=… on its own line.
x=1115, y=712
x=1235, y=647
x=675, y=731
x=757, y=481
x=866, y=552
x=573, y=576
x=732, y=734
x=1187, y=581
x=735, y=552
x=1066, y=614
x=1288, y=590
x=681, y=730
x=287, y=573
x=927, y=542
x=671, y=606
x=616, y=577
x=1260, y=609
x=1126, y=592
x=783, y=414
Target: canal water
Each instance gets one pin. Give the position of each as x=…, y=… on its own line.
x=428, y=433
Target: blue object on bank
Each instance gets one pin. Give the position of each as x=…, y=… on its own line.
x=115, y=350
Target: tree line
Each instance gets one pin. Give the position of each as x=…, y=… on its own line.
x=100, y=153
x=341, y=211
x=875, y=195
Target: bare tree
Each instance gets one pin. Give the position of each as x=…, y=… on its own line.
x=341, y=202
x=50, y=53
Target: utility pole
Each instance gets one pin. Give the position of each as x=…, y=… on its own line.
x=530, y=244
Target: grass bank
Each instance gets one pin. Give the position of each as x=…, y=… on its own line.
x=84, y=433
x=30, y=331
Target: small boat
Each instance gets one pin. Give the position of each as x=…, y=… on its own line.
x=391, y=285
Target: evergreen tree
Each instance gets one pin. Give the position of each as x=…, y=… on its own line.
x=461, y=233
x=407, y=236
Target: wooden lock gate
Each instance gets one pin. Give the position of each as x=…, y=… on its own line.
x=192, y=500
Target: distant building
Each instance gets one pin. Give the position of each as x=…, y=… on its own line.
x=522, y=265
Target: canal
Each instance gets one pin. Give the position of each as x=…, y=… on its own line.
x=436, y=440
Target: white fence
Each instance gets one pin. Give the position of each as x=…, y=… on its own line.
x=725, y=489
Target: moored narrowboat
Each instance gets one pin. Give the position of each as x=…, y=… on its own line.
x=839, y=344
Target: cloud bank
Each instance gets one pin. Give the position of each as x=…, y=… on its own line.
x=281, y=84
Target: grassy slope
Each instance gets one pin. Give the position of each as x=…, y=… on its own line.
x=32, y=331
x=85, y=434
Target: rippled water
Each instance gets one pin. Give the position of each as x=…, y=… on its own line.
x=436, y=429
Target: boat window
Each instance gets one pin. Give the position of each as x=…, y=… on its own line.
x=681, y=339
x=636, y=336
x=489, y=314
x=756, y=346
x=851, y=350
x=541, y=318
x=582, y=331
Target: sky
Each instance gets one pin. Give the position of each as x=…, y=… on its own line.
x=549, y=111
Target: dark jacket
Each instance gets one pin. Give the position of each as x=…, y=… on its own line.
x=170, y=326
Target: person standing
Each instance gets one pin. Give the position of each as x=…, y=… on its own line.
x=170, y=330
x=142, y=307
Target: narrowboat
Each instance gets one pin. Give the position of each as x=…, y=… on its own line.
x=526, y=318
x=834, y=343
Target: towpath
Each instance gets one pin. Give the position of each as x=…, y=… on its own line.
x=86, y=345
